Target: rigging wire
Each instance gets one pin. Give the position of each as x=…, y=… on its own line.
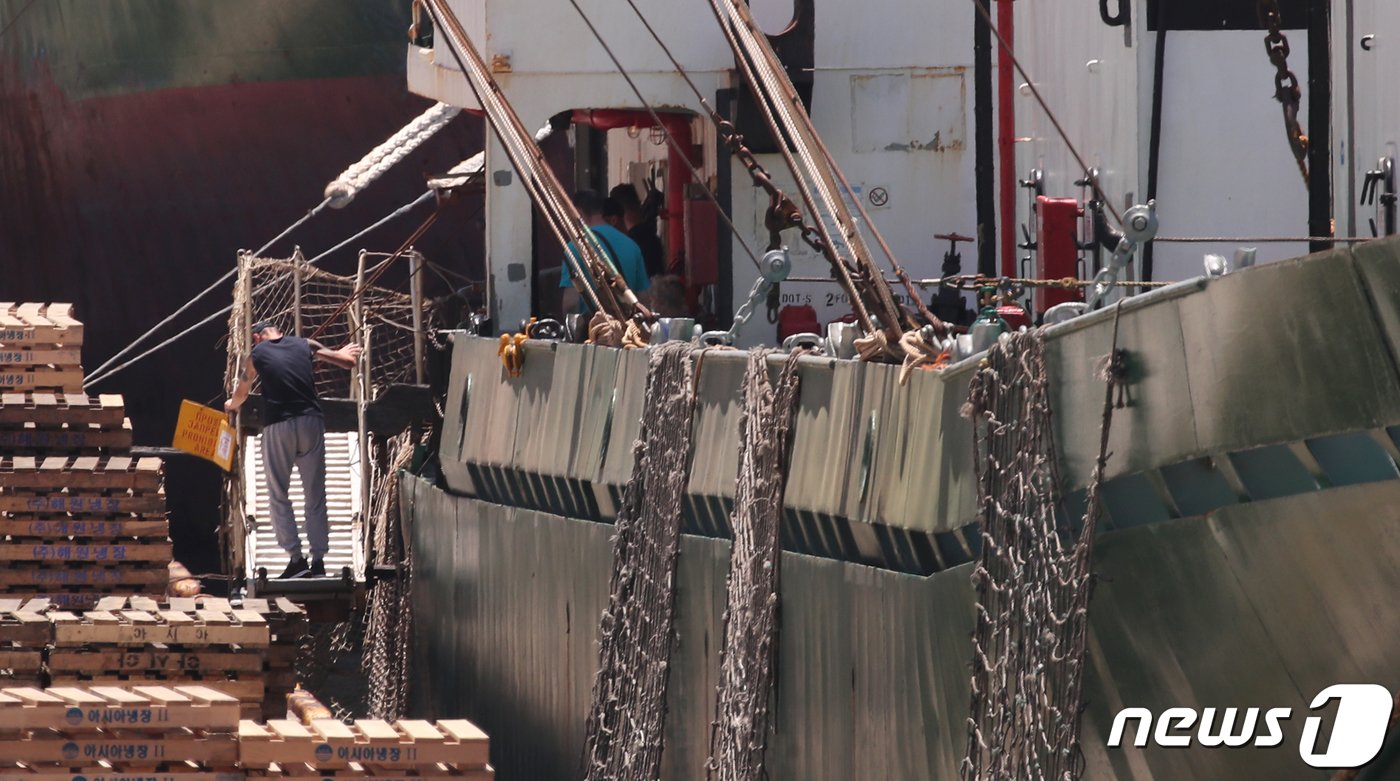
x=862, y=255
x=206, y=291
x=592, y=271
x=1030, y=83
x=684, y=155
x=884, y=246
x=760, y=86
x=100, y=375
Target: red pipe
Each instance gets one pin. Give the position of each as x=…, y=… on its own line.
x=677, y=173
x=1006, y=142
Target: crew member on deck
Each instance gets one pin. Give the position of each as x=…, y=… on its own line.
x=640, y=228
x=294, y=433
x=624, y=253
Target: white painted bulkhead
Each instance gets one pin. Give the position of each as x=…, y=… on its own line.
x=893, y=100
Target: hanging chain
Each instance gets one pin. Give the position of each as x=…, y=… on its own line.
x=1286, y=89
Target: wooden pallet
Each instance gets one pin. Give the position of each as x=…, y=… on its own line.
x=78, y=439
x=24, y=624
x=77, y=597
x=42, y=409
x=34, y=324
x=45, y=356
x=245, y=691
x=286, y=619
x=328, y=743
x=139, y=476
x=25, y=504
x=22, y=661
x=184, y=773
x=129, y=751
x=74, y=709
x=101, y=553
x=41, y=378
x=134, y=660
x=48, y=528
x=245, y=628
x=22, y=577
x=357, y=772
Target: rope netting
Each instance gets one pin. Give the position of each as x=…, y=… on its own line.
x=739, y=739
x=389, y=620
x=1033, y=580
x=627, y=717
x=272, y=291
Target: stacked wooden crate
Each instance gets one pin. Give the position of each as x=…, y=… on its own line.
x=287, y=623
x=364, y=749
x=179, y=733
x=79, y=518
x=23, y=634
x=203, y=639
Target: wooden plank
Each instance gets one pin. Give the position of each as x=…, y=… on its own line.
x=87, y=552
x=49, y=529
x=35, y=377
x=26, y=324
x=108, y=774
x=145, y=660
x=136, y=630
x=47, y=409
x=244, y=690
x=79, y=503
x=53, y=474
x=429, y=774
x=327, y=743
x=59, y=575
x=144, y=603
x=80, y=597
x=127, y=751
x=140, y=708
x=24, y=628
x=39, y=356
x=21, y=661
x=66, y=439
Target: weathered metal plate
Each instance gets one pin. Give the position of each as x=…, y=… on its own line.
x=1284, y=352
x=923, y=476
x=1260, y=604
x=1378, y=263
x=1156, y=423
x=719, y=406
x=824, y=437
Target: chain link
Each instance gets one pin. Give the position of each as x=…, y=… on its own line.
x=1286, y=88
x=758, y=292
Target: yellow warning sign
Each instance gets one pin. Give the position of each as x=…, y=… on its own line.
x=204, y=432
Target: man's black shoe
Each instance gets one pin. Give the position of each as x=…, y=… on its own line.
x=296, y=568
x=318, y=568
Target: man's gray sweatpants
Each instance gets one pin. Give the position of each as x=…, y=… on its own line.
x=300, y=441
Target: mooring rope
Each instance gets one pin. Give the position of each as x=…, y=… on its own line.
x=343, y=189
x=739, y=738
x=626, y=721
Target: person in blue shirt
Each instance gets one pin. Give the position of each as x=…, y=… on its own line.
x=624, y=253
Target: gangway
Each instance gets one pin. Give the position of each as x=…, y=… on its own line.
x=382, y=396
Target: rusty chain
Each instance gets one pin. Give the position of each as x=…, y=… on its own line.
x=1286, y=88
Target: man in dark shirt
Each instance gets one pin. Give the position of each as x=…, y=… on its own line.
x=640, y=228
x=293, y=435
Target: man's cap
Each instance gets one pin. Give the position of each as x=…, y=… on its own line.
x=261, y=324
